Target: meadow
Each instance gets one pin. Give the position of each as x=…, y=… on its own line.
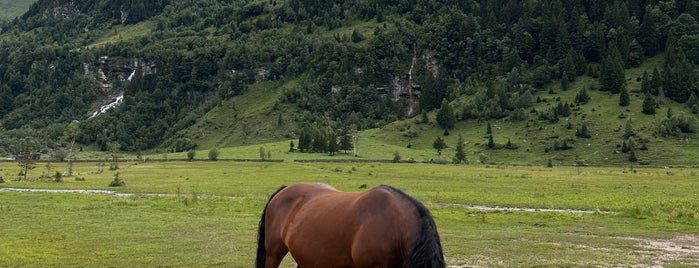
x=205, y=213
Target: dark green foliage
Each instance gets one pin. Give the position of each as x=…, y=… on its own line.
x=562, y=144
x=117, y=182
x=213, y=154
x=511, y=146
x=582, y=97
x=583, y=131
x=396, y=157
x=487, y=59
x=677, y=124
x=446, y=117
x=624, y=98
x=332, y=147
x=190, y=154
x=439, y=144
x=628, y=130
x=632, y=156
x=679, y=78
x=345, y=142
x=459, y=155
x=649, y=104
x=612, y=72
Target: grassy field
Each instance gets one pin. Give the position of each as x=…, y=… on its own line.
x=209, y=215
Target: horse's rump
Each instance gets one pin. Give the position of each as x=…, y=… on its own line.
x=323, y=227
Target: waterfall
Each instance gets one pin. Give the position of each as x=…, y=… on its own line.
x=104, y=108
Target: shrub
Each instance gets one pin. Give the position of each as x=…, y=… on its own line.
x=213, y=154
x=190, y=154
x=117, y=182
x=396, y=157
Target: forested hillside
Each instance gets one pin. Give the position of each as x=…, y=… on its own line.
x=327, y=64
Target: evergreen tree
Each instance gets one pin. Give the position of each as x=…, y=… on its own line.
x=649, y=104
x=645, y=83
x=679, y=78
x=439, y=144
x=583, y=131
x=491, y=142
x=656, y=81
x=446, y=117
x=649, y=34
x=612, y=76
x=345, y=139
x=582, y=97
x=488, y=129
x=460, y=156
x=632, y=156
x=624, y=98
x=565, y=83
x=628, y=129
x=332, y=144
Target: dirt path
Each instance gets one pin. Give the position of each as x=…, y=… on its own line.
x=488, y=208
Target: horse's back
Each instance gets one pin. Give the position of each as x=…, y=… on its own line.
x=387, y=224
x=327, y=228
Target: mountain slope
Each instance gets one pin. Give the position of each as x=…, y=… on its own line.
x=204, y=74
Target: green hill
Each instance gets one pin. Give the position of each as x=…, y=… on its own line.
x=186, y=75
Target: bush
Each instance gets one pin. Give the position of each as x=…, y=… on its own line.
x=58, y=177
x=117, y=182
x=213, y=154
x=396, y=157
x=190, y=154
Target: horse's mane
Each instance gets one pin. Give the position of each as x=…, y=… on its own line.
x=427, y=249
x=261, y=248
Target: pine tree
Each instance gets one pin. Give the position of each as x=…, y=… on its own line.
x=645, y=83
x=445, y=116
x=678, y=76
x=460, y=156
x=439, y=144
x=628, y=129
x=612, y=76
x=488, y=129
x=583, y=131
x=624, y=98
x=649, y=104
x=565, y=84
x=345, y=139
x=655, y=81
x=582, y=97
x=332, y=144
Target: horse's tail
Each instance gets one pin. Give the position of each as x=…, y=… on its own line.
x=426, y=250
x=261, y=248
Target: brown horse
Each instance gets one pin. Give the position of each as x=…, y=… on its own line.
x=323, y=227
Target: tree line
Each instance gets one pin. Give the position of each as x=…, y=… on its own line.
x=494, y=54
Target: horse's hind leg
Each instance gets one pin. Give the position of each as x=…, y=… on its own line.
x=274, y=258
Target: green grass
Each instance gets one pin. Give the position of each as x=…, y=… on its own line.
x=124, y=32
x=10, y=9
x=192, y=228
x=241, y=125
